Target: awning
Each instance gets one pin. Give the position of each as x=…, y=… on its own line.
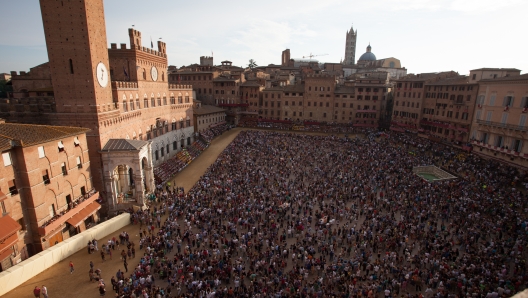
x=8, y=227
x=5, y=246
x=78, y=218
x=8, y=235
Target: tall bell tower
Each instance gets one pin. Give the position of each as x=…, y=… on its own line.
x=350, y=47
x=78, y=56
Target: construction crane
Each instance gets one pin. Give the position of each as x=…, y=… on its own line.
x=311, y=56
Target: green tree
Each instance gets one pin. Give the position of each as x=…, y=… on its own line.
x=252, y=64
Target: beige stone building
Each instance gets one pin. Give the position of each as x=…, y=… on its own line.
x=250, y=91
x=487, y=73
x=447, y=110
x=499, y=128
x=409, y=93
x=321, y=99
x=206, y=116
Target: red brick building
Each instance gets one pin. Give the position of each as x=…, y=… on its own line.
x=46, y=190
x=121, y=93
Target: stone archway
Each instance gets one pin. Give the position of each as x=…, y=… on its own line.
x=128, y=176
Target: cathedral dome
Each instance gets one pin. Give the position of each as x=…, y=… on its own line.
x=368, y=56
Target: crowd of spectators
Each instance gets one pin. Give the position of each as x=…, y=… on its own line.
x=292, y=215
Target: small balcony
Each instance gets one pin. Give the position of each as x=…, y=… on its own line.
x=77, y=205
x=502, y=125
x=122, y=85
x=499, y=149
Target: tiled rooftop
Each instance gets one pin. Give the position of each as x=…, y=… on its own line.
x=451, y=81
x=26, y=135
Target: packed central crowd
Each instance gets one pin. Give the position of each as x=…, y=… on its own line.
x=299, y=125
x=291, y=215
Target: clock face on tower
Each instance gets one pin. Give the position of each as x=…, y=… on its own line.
x=154, y=73
x=102, y=74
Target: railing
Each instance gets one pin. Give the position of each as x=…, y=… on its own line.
x=124, y=85
x=502, y=125
x=76, y=205
x=179, y=86
x=367, y=111
x=499, y=149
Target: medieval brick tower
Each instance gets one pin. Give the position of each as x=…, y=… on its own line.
x=350, y=47
x=78, y=56
x=75, y=34
x=120, y=94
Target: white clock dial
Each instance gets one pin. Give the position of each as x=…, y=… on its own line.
x=154, y=73
x=102, y=74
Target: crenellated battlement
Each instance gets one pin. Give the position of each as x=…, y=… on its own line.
x=123, y=46
x=135, y=44
x=21, y=73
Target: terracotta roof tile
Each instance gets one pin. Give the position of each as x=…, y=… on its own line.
x=123, y=145
x=451, y=81
x=30, y=134
x=5, y=143
x=8, y=227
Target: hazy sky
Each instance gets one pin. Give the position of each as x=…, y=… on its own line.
x=426, y=35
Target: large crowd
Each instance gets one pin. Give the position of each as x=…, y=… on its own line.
x=308, y=126
x=210, y=133
x=292, y=215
